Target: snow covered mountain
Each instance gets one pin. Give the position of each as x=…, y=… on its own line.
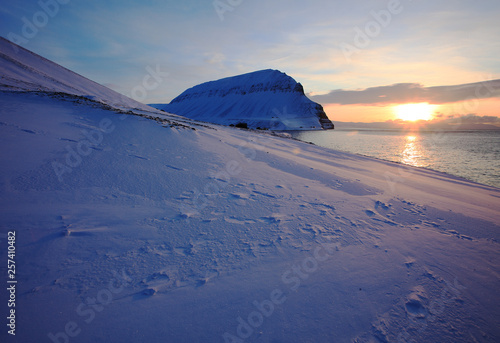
x=266, y=99
x=135, y=226
x=23, y=70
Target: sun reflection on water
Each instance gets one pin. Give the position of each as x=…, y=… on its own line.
x=412, y=152
x=472, y=154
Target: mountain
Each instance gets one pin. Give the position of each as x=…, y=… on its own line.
x=139, y=226
x=23, y=70
x=266, y=99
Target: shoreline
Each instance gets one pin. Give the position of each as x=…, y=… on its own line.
x=321, y=139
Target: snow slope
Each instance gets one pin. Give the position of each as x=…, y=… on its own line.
x=24, y=70
x=137, y=230
x=267, y=99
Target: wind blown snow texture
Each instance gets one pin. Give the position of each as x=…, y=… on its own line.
x=266, y=99
x=168, y=230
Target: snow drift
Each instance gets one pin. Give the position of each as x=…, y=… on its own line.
x=266, y=99
x=136, y=230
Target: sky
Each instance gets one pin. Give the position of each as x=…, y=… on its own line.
x=359, y=59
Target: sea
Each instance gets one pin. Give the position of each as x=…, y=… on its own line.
x=473, y=155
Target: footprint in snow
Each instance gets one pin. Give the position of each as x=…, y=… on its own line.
x=265, y=194
x=415, y=308
x=149, y=292
x=370, y=213
x=380, y=218
x=239, y=221
x=323, y=209
x=174, y=168
x=238, y=196
x=185, y=251
x=156, y=277
x=380, y=204
x=274, y=218
x=139, y=157
x=414, y=305
x=410, y=263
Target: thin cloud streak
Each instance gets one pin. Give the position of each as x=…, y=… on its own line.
x=466, y=122
x=411, y=93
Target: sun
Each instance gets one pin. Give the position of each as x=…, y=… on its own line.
x=414, y=112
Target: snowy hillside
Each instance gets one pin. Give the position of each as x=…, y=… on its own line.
x=136, y=230
x=266, y=99
x=23, y=70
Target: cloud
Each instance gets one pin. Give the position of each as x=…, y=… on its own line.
x=466, y=122
x=472, y=119
x=411, y=92
x=214, y=58
x=113, y=41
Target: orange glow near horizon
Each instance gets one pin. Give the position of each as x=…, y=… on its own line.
x=384, y=112
x=414, y=112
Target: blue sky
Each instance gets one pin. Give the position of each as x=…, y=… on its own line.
x=432, y=43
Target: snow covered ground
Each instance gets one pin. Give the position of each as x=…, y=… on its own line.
x=159, y=233
x=137, y=230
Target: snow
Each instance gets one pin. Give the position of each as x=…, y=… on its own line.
x=266, y=99
x=23, y=70
x=137, y=230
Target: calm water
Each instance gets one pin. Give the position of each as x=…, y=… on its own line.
x=474, y=155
